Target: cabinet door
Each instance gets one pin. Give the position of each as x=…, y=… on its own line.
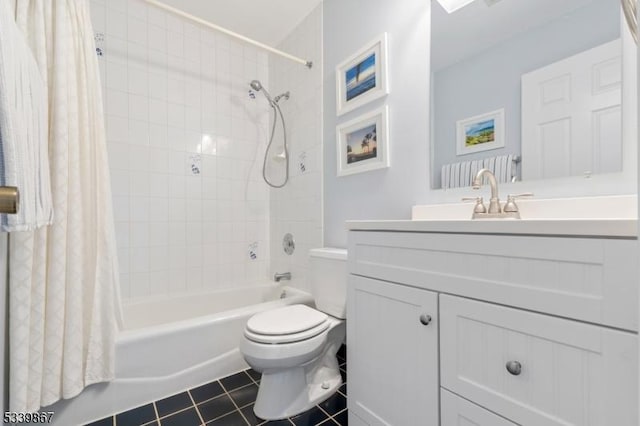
x=457, y=411
x=392, y=349
x=536, y=369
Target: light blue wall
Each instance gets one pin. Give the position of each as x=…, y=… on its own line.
x=458, y=93
x=388, y=193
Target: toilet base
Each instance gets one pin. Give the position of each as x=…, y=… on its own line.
x=291, y=391
x=296, y=390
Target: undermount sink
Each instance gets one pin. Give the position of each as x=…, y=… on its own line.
x=610, y=216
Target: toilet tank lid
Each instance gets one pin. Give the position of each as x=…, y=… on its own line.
x=329, y=253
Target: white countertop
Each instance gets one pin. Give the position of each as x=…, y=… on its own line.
x=627, y=228
x=607, y=216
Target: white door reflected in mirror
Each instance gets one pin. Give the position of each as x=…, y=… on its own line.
x=572, y=115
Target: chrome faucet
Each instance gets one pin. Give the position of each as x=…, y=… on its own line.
x=494, y=202
x=283, y=276
x=495, y=211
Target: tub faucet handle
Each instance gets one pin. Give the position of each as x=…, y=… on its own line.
x=277, y=277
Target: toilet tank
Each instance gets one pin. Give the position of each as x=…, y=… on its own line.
x=328, y=278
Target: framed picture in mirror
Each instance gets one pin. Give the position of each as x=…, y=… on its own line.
x=363, y=143
x=362, y=77
x=482, y=132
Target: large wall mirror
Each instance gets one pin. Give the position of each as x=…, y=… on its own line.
x=533, y=89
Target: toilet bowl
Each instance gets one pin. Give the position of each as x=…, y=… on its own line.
x=299, y=368
x=295, y=347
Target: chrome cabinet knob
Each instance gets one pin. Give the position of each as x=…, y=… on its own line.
x=425, y=319
x=514, y=368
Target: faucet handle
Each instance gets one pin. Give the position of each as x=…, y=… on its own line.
x=511, y=206
x=479, y=207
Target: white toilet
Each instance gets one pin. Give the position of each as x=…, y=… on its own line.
x=294, y=347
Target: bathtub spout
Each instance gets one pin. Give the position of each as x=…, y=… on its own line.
x=284, y=276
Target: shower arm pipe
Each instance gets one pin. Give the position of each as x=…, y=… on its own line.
x=218, y=28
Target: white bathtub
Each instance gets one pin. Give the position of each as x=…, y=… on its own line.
x=173, y=344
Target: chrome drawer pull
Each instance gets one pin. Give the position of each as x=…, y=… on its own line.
x=425, y=319
x=514, y=367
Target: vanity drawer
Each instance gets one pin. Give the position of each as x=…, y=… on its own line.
x=571, y=373
x=588, y=279
x=456, y=411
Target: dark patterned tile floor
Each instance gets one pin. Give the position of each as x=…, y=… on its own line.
x=229, y=402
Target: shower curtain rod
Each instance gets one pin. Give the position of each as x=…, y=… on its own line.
x=201, y=21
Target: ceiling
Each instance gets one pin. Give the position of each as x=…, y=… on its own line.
x=267, y=21
x=478, y=26
x=455, y=36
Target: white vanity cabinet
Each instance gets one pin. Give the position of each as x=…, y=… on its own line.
x=527, y=330
x=458, y=411
x=537, y=369
x=394, y=353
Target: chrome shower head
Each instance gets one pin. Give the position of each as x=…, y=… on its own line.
x=256, y=85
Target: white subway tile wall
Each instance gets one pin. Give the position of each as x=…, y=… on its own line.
x=185, y=145
x=297, y=208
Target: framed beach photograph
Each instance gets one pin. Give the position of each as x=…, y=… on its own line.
x=362, y=77
x=363, y=143
x=480, y=133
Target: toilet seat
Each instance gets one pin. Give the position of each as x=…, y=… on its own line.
x=286, y=338
x=289, y=324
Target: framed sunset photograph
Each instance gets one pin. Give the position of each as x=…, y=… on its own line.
x=482, y=132
x=363, y=143
x=362, y=77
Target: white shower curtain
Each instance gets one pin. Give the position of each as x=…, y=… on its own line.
x=63, y=279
